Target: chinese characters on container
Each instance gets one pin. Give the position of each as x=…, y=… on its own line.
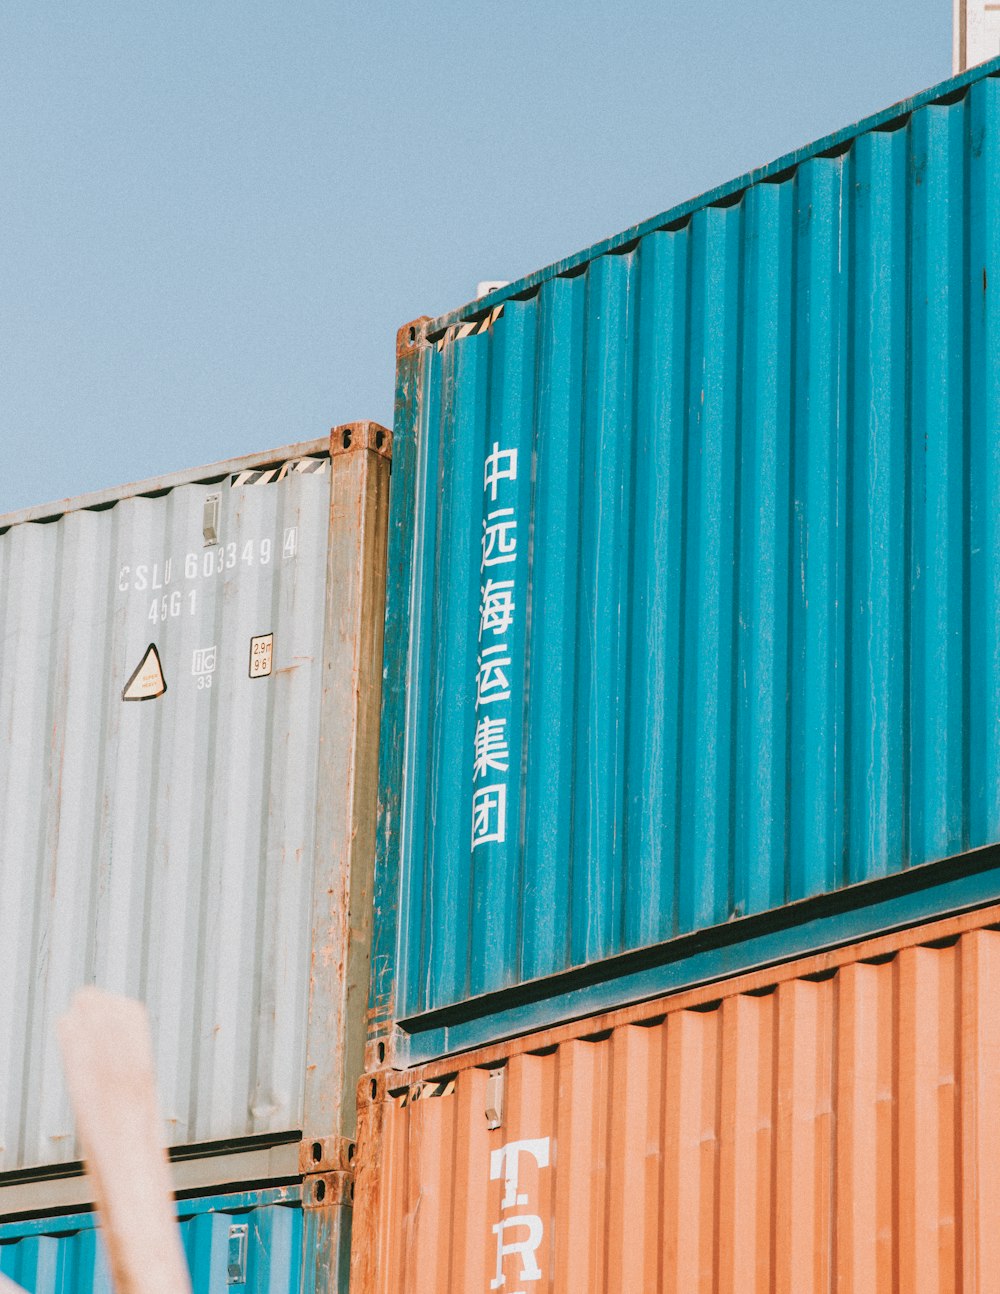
x=491, y=750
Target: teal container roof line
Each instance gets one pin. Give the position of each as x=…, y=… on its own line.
x=65, y=1254
x=833, y=142
x=696, y=607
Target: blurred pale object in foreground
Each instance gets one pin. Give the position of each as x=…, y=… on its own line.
x=108, y=1057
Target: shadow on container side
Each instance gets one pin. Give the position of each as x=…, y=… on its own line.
x=830, y=1123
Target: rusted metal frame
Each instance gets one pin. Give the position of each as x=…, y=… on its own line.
x=342, y=884
x=326, y=1190
x=410, y=349
x=326, y=1155
x=369, y=1183
x=326, y=1234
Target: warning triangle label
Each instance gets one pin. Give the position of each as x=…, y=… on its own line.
x=147, y=680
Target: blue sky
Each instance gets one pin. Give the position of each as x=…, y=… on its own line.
x=214, y=216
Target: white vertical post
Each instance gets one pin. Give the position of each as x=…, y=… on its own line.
x=976, y=33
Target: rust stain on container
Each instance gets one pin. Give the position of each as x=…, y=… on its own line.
x=825, y=1125
x=408, y=337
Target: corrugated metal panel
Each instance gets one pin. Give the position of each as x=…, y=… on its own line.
x=827, y=1125
x=730, y=619
x=65, y=1255
x=181, y=849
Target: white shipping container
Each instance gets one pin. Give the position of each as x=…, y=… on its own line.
x=189, y=696
x=976, y=33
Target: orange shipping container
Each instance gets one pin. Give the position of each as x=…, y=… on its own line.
x=830, y=1124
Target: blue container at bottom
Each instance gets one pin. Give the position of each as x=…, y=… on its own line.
x=251, y=1241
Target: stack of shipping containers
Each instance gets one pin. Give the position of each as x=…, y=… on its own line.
x=684, y=928
x=686, y=961
x=189, y=703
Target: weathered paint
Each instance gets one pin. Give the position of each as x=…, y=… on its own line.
x=394, y=692
x=753, y=657
x=207, y=850
x=65, y=1255
x=830, y=1124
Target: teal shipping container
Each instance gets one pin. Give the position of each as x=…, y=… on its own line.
x=266, y=1241
x=693, y=627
